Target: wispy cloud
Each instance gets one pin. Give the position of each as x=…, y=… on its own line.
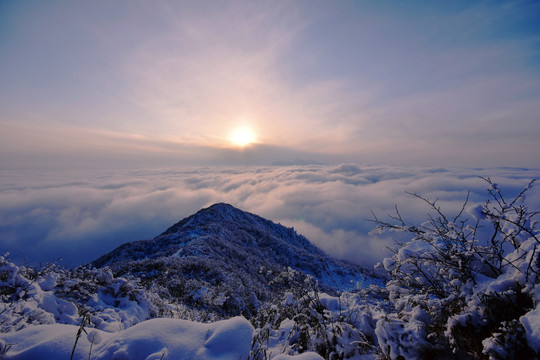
x=407, y=83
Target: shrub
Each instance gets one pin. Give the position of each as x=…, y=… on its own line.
x=474, y=273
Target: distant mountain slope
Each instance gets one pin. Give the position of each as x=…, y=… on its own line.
x=222, y=257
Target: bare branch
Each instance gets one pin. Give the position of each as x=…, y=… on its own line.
x=523, y=192
x=463, y=207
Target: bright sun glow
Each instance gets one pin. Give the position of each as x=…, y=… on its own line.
x=242, y=136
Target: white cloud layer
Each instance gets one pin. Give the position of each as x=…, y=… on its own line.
x=79, y=215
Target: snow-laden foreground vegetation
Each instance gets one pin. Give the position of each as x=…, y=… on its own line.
x=462, y=286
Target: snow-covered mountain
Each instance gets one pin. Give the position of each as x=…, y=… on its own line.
x=226, y=259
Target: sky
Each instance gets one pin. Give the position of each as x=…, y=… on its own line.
x=120, y=118
x=128, y=84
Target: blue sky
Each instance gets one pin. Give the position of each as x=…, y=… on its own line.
x=136, y=83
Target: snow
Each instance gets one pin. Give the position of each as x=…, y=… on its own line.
x=289, y=299
x=476, y=211
x=62, y=310
x=415, y=248
x=304, y=356
x=389, y=264
x=151, y=339
x=331, y=303
x=400, y=339
x=531, y=324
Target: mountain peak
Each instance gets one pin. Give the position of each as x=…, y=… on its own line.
x=223, y=248
x=219, y=212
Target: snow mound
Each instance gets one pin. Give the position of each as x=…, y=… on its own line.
x=151, y=339
x=304, y=356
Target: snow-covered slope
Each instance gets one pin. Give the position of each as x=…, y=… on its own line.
x=228, y=260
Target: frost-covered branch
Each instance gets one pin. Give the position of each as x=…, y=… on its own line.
x=468, y=279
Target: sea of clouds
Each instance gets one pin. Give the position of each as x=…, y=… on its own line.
x=77, y=216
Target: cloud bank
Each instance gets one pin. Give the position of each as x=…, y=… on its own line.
x=79, y=215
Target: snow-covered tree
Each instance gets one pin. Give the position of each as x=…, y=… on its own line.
x=467, y=282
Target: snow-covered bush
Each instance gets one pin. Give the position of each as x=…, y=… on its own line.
x=335, y=327
x=52, y=294
x=26, y=297
x=474, y=276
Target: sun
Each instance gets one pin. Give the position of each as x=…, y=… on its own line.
x=242, y=136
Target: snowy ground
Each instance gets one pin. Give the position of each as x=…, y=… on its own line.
x=151, y=339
